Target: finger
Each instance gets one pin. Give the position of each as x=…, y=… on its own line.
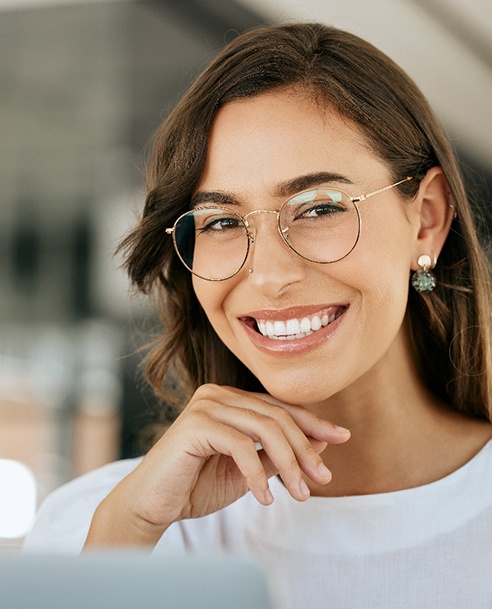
x=310, y=423
x=271, y=470
x=318, y=445
x=287, y=447
x=238, y=409
x=224, y=440
x=268, y=423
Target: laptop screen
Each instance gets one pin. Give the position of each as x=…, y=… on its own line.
x=132, y=581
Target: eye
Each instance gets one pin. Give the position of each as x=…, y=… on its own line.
x=320, y=209
x=216, y=221
x=316, y=205
x=221, y=224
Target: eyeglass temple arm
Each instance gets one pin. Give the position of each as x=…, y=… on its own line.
x=376, y=192
x=169, y=231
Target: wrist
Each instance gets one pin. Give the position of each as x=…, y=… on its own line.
x=114, y=525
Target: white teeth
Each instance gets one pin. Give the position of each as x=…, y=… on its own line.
x=292, y=326
x=295, y=328
x=305, y=325
x=279, y=328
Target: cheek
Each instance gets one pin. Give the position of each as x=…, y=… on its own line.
x=212, y=296
x=379, y=267
x=386, y=244
x=383, y=271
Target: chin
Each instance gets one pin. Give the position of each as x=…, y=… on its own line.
x=300, y=392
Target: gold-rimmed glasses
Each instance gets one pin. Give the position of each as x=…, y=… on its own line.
x=321, y=225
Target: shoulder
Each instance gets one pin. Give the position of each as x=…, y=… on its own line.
x=64, y=518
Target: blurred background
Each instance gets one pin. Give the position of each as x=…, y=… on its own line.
x=83, y=85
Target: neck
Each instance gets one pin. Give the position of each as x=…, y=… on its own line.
x=402, y=436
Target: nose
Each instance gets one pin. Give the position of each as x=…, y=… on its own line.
x=273, y=264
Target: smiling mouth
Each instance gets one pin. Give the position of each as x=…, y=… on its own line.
x=296, y=328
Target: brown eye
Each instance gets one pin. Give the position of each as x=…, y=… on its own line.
x=321, y=209
x=221, y=224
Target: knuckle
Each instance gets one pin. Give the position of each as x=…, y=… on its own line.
x=198, y=418
x=257, y=479
x=292, y=464
x=280, y=414
x=243, y=443
x=271, y=426
x=306, y=448
x=206, y=390
x=209, y=394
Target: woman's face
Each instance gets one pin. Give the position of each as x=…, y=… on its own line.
x=260, y=150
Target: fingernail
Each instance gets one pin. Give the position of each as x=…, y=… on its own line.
x=268, y=497
x=324, y=471
x=303, y=487
x=341, y=430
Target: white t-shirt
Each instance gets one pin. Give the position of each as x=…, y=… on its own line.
x=426, y=547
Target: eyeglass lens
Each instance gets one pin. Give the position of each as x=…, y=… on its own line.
x=322, y=226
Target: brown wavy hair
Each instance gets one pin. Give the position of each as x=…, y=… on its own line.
x=450, y=328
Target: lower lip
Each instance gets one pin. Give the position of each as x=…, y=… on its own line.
x=300, y=345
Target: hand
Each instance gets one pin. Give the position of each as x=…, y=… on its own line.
x=209, y=458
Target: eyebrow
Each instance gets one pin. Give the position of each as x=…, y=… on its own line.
x=292, y=187
x=283, y=190
x=213, y=196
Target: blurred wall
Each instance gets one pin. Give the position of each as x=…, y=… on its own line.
x=82, y=88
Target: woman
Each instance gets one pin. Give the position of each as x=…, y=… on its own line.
x=327, y=308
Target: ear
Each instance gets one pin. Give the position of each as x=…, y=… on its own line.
x=436, y=214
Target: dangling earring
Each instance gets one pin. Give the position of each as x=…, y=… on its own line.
x=424, y=280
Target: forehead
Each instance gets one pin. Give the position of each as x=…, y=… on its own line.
x=277, y=136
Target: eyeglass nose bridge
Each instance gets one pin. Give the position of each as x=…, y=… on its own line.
x=251, y=229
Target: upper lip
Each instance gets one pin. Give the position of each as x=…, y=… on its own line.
x=297, y=312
